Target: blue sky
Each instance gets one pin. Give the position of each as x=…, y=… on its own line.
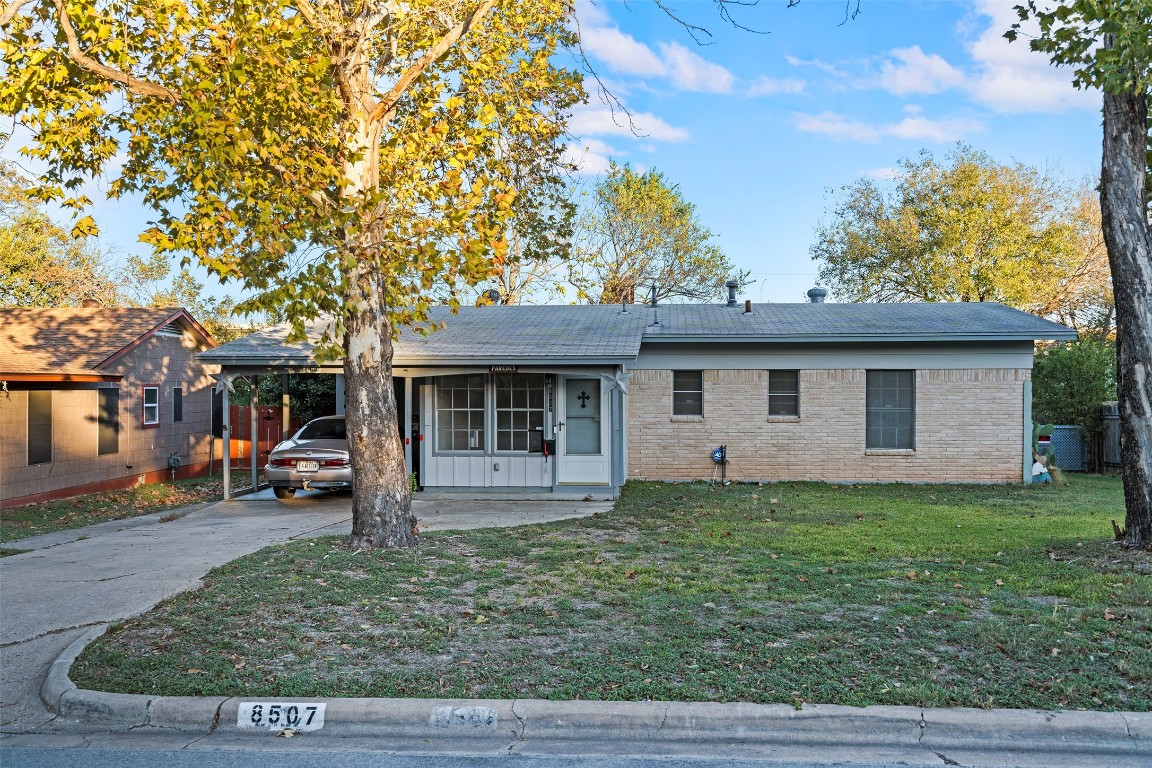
x=756, y=128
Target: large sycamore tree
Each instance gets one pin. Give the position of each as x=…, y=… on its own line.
x=1108, y=43
x=338, y=159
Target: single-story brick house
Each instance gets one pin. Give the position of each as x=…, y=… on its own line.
x=581, y=398
x=97, y=398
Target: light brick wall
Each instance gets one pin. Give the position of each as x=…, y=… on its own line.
x=162, y=361
x=969, y=426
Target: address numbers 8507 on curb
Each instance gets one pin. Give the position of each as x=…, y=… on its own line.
x=280, y=715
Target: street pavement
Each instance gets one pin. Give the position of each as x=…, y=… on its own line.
x=68, y=587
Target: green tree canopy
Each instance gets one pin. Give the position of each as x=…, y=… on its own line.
x=968, y=229
x=639, y=230
x=41, y=265
x=335, y=158
x=1071, y=381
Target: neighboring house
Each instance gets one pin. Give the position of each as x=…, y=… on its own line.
x=100, y=398
x=581, y=398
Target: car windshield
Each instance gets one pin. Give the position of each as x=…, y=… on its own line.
x=329, y=429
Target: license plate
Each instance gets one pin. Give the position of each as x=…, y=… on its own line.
x=307, y=466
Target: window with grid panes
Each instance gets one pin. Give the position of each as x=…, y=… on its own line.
x=891, y=410
x=687, y=393
x=460, y=412
x=783, y=393
x=519, y=411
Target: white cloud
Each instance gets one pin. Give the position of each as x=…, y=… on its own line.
x=838, y=127
x=590, y=156
x=910, y=70
x=767, y=86
x=887, y=173
x=1012, y=78
x=820, y=65
x=602, y=121
x=690, y=72
x=622, y=53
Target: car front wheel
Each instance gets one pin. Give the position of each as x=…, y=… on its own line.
x=284, y=493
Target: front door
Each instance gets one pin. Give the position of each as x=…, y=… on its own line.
x=582, y=440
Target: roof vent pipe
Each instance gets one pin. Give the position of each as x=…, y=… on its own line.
x=816, y=295
x=747, y=306
x=654, y=295
x=731, y=285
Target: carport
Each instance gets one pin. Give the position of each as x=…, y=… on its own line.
x=523, y=399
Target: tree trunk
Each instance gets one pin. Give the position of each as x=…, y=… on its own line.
x=1129, y=241
x=381, y=498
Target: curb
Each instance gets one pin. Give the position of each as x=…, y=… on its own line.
x=503, y=722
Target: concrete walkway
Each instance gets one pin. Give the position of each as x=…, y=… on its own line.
x=62, y=594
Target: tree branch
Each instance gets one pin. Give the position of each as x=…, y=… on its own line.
x=387, y=106
x=11, y=11
x=134, y=85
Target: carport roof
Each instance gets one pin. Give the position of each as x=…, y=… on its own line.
x=583, y=334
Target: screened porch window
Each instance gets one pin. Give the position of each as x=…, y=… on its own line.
x=519, y=411
x=460, y=412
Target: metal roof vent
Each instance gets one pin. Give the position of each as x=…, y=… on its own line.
x=493, y=296
x=731, y=285
x=816, y=295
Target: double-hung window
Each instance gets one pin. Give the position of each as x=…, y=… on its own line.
x=151, y=406
x=460, y=412
x=891, y=410
x=687, y=393
x=783, y=393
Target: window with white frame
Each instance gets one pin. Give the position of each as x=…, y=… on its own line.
x=519, y=411
x=151, y=406
x=783, y=393
x=687, y=393
x=890, y=410
x=460, y=412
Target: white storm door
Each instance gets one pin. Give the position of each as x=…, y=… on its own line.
x=582, y=442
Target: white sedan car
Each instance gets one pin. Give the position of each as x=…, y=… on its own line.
x=315, y=457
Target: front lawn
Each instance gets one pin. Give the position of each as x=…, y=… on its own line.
x=981, y=596
x=79, y=511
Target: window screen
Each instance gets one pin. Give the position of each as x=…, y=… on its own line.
x=108, y=417
x=687, y=393
x=783, y=393
x=460, y=412
x=891, y=410
x=39, y=426
x=177, y=404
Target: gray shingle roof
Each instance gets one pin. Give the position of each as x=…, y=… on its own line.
x=851, y=322
x=523, y=334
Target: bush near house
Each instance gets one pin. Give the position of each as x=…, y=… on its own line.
x=927, y=595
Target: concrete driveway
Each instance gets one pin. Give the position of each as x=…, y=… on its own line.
x=73, y=580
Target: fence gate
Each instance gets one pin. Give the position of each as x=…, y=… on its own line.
x=1069, y=448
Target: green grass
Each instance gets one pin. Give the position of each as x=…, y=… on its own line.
x=79, y=511
x=983, y=596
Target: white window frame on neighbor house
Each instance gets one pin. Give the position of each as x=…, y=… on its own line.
x=150, y=407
